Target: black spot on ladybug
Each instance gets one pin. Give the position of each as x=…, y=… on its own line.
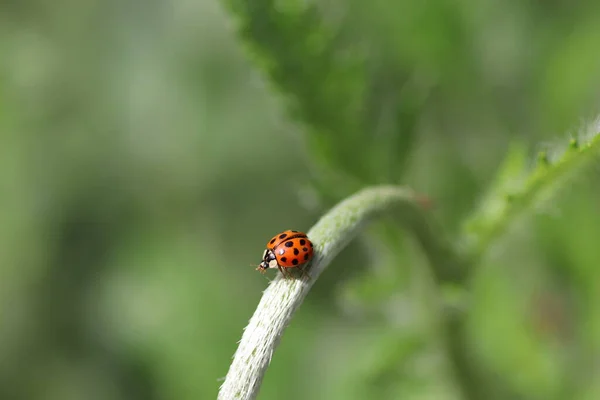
x=306, y=256
x=283, y=259
x=296, y=252
x=272, y=241
x=311, y=245
x=289, y=244
x=304, y=249
x=282, y=236
x=295, y=261
x=302, y=242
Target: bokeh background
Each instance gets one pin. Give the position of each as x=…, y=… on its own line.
x=146, y=158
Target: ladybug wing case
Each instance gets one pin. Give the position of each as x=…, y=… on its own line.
x=296, y=251
x=283, y=236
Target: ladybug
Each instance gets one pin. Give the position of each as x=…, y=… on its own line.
x=289, y=249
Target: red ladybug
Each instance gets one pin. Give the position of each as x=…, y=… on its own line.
x=289, y=249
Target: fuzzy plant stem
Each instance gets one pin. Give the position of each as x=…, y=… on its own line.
x=329, y=236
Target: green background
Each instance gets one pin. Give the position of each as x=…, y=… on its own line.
x=146, y=158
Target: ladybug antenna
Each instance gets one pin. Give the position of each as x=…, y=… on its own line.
x=258, y=267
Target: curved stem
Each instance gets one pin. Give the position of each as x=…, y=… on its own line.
x=329, y=236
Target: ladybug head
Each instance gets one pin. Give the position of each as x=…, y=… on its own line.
x=262, y=267
x=268, y=261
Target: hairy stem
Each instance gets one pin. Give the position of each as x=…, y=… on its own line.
x=329, y=236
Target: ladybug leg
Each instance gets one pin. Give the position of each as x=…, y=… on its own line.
x=285, y=274
x=304, y=273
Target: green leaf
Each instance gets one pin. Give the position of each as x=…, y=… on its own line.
x=360, y=110
x=515, y=194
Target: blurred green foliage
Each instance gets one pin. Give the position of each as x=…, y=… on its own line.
x=147, y=153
